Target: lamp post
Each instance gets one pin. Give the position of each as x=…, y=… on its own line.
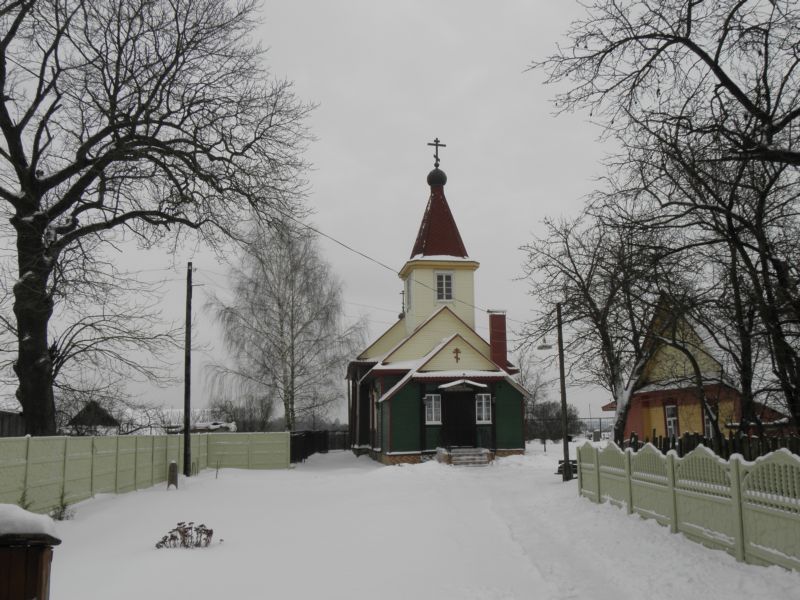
x=566, y=471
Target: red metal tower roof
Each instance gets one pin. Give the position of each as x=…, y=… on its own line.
x=438, y=234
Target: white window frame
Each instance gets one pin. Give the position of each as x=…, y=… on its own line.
x=450, y=278
x=673, y=421
x=707, y=431
x=433, y=409
x=408, y=294
x=483, y=409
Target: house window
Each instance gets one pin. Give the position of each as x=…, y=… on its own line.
x=408, y=295
x=444, y=286
x=483, y=408
x=433, y=409
x=671, y=416
x=709, y=432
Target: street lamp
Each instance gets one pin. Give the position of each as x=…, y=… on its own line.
x=566, y=472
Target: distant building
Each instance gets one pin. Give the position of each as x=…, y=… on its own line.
x=666, y=401
x=430, y=384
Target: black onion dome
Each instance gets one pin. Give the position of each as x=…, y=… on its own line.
x=437, y=177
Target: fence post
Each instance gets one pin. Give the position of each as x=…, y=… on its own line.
x=738, y=509
x=91, y=471
x=135, y=462
x=672, y=495
x=152, y=460
x=64, y=469
x=628, y=478
x=596, y=471
x=24, y=499
x=580, y=470
x=116, y=469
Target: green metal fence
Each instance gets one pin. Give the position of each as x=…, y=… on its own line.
x=749, y=509
x=45, y=473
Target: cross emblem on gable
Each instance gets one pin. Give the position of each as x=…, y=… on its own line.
x=457, y=354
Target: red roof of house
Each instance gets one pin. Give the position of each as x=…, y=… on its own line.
x=438, y=234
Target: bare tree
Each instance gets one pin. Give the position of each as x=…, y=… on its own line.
x=725, y=72
x=249, y=412
x=607, y=277
x=284, y=327
x=137, y=117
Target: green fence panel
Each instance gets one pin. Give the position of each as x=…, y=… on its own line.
x=104, y=467
x=143, y=473
x=78, y=470
x=248, y=450
x=13, y=467
x=650, y=491
x=705, y=510
x=269, y=450
x=45, y=473
x=613, y=477
x=587, y=475
x=160, y=458
x=126, y=464
x=771, y=510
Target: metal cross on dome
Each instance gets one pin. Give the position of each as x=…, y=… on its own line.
x=438, y=145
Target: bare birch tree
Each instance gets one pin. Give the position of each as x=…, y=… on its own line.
x=140, y=117
x=284, y=327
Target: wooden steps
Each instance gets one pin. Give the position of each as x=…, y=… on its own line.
x=469, y=457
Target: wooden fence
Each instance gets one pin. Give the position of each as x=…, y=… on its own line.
x=749, y=509
x=11, y=424
x=46, y=473
x=750, y=447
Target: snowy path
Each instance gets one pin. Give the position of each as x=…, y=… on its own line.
x=341, y=527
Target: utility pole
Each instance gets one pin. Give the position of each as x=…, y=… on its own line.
x=567, y=472
x=187, y=377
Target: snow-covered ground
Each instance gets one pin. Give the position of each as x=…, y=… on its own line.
x=345, y=527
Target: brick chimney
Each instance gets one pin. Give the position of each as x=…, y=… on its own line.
x=497, y=337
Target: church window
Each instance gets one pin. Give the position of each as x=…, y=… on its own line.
x=483, y=408
x=444, y=286
x=433, y=409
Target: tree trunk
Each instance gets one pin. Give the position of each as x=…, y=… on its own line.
x=33, y=307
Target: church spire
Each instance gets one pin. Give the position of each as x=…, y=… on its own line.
x=438, y=234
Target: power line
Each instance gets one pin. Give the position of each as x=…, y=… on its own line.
x=374, y=260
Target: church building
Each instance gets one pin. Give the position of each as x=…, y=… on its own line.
x=430, y=386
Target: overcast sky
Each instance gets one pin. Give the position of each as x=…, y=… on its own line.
x=389, y=77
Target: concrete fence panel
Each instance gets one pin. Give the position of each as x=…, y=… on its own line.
x=614, y=482
x=13, y=469
x=104, y=470
x=45, y=479
x=751, y=510
x=587, y=472
x=45, y=473
x=771, y=509
x=77, y=469
x=705, y=508
x=650, y=486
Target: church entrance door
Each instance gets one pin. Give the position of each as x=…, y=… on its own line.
x=459, y=419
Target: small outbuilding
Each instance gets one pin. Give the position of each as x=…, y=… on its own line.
x=93, y=419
